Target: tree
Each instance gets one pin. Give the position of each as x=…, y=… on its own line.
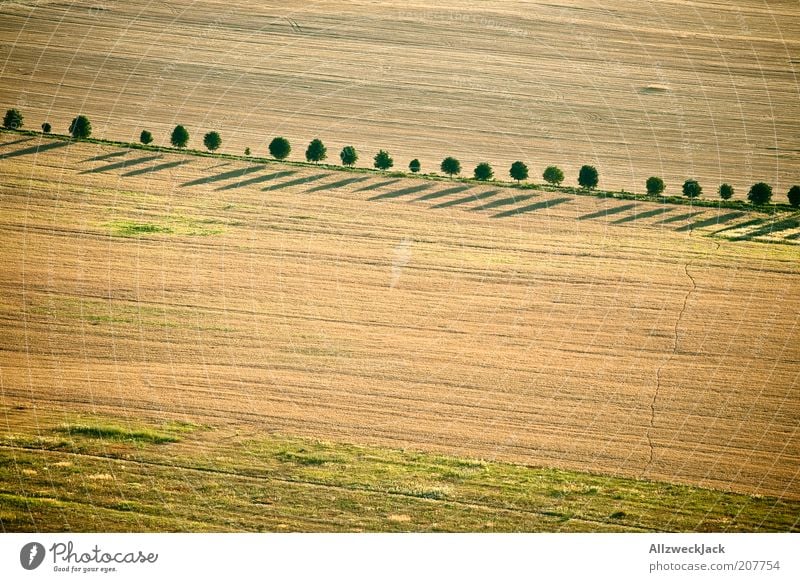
x=760, y=193
x=316, y=151
x=383, y=161
x=279, y=148
x=348, y=155
x=179, y=137
x=46, y=127
x=483, y=171
x=794, y=196
x=553, y=175
x=212, y=141
x=519, y=171
x=725, y=191
x=692, y=189
x=80, y=127
x=655, y=185
x=247, y=151
x=12, y=119
x=414, y=166
x=588, y=177
x=451, y=166
x=146, y=137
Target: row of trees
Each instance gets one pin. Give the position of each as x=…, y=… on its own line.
x=280, y=148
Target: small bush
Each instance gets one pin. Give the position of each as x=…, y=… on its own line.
x=518, y=171
x=451, y=166
x=80, y=127
x=279, y=148
x=760, y=193
x=146, y=137
x=13, y=119
x=553, y=175
x=348, y=155
x=212, y=141
x=794, y=196
x=316, y=151
x=654, y=185
x=46, y=127
x=483, y=171
x=383, y=161
x=179, y=137
x=588, y=177
x=247, y=151
x=725, y=191
x=692, y=189
x=414, y=166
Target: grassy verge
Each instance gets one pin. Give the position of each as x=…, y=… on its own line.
x=109, y=474
x=620, y=194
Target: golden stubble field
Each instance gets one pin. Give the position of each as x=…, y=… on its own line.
x=673, y=88
x=556, y=330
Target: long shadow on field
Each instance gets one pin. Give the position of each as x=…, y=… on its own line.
x=794, y=236
x=402, y=192
x=339, y=184
x=258, y=180
x=121, y=165
x=710, y=221
x=440, y=193
x=640, y=215
x=532, y=207
x=503, y=202
x=225, y=176
x=377, y=185
x=16, y=141
x=157, y=168
x=772, y=228
x=103, y=157
x=607, y=211
x=467, y=199
x=679, y=217
x=745, y=224
x=35, y=149
x=297, y=182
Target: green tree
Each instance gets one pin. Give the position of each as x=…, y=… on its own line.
x=553, y=175
x=760, y=193
x=794, y=196
x=13, y=119
x=414, y=166
x=348, y=155
x=654, y=185
x=518, y=171
x=46, y=127
x=316, y=151
x=692, y=189
x=80, y=127
x=588, y=177
x=383, y=161
x=179, y=137
x=451, y=166
x=483, y=171
x=279, y=148
x=146, y=137
x=725, y=191
x=247, y=151
x=212, y=141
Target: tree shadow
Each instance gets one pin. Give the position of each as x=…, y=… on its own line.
x=402, y=192
x=466, y=199
x=258, y=180
x=157, y=168
x=339, y=184
x=377, y=185
x=710, y=221
x=224, y=176
x=440, y=193
x=607, y=211
x=532, y=207
x=772, y=228
x=37, y=149
x=16, y=141
x=679, y=217
x=297, y=182
x=745, y=224
x=104, y=157
x=120, y=165
x=503, y=202
x=640, y=215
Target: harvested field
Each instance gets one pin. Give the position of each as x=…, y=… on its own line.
x=674, y=88
x=557, y=330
